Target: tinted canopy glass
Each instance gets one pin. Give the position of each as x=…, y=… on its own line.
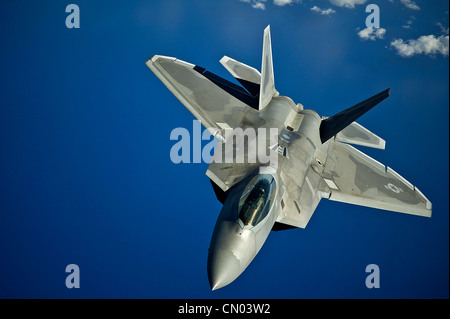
x=256, y=199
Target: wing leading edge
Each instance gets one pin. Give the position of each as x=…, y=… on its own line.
x=203, y=94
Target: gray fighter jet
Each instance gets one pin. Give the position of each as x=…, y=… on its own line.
x=310, y=159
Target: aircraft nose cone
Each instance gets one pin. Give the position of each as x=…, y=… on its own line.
x=223, y=268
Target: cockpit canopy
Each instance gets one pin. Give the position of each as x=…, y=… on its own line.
x=256, y=199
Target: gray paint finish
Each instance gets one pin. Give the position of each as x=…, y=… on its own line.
x=306, y=170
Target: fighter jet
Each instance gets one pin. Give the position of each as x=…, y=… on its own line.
x=312, y=158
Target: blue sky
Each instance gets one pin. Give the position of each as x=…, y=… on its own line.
x=85, y=170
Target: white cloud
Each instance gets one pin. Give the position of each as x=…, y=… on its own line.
x=425, y=44
x=372, y=33
x=408, y=24
x=322, y=11
x=260, y=4
x=410, y=4
x=347, y=3
x=284, y=2
x=257, y=4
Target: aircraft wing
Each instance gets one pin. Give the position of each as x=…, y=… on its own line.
x=217, y=103
x=355, y=178
x=214, y=101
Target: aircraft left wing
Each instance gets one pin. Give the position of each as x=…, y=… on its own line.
x=355, y=178
x=214, y=101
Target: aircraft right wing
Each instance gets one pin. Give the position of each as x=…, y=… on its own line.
x=214, y=101
x=355, y=178
x=217, y=103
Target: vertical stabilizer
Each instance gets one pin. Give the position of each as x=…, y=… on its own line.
x=267, y=89
x=331, y=126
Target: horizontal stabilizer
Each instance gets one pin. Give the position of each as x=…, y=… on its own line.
x=331, y=126
x=248, y=77
x=358, y=135
x=233, y=89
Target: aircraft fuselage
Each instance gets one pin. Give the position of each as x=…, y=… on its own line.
x=241, y=230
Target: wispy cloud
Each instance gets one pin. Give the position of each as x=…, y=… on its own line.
x=284, y=2
x=426, y=44
x=372, y=33
x=410, y=4
x=443, y=29
x=260, y=4
x=323, y=11
x=257, y=4
x=408, y=23
x=347, y=3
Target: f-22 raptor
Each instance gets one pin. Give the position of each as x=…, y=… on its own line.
x=314, y=158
